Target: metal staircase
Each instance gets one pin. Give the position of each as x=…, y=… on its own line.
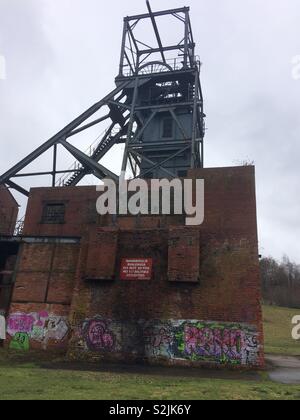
x=111, y=137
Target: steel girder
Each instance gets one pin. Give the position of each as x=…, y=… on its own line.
x=130, y=117
x=89, y=164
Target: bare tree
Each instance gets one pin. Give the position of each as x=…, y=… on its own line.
x=280, y=282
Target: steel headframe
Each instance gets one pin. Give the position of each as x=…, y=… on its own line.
x=125, y=114
x=139, y=63
x=135, y=52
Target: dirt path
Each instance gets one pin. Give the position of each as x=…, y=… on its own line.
x=284, y=369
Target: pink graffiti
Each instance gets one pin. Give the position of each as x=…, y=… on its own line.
x=214, y=342
x=24, y=323
x=20, y=323
x=41, y=319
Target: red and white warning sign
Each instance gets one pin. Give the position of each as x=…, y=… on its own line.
x=136, y=269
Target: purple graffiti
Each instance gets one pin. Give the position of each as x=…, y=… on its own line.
x=24, y=323
x=214, y=342
x=196, y=341
x=98, y=336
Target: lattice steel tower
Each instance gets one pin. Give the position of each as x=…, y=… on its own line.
x=156, y=110
x=164, y=98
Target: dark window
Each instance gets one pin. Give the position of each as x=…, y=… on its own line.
x=54, y=213
x=167, y=128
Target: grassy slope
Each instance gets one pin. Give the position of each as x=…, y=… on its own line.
x=23, y=379
x=27, y=381
x=278, y=328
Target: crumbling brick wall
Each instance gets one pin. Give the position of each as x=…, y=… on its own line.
x=80, y=211
x=44, y=284
x=8, y=212
x=201, y=305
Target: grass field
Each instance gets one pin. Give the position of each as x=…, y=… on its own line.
x=26, y=378
x=278, y=327
x=31, y=382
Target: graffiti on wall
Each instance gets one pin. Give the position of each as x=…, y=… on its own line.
x=98, y=336
x=20, y=342
x=220, y=343
x=39, y=327
x=223, y=343
x=158, y=339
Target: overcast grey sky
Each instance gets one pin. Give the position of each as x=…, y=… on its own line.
x=62, y=56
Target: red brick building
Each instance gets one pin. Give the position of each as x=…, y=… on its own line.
x=8, y=217
x=9, y=209
x=197, y=299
